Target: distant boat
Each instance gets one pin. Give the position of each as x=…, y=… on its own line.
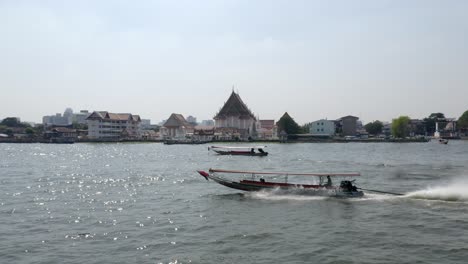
x=184, y=141
x=244, y=150
x=255, y=181
x=443, y=141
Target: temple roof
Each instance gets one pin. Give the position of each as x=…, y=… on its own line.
x=177, y=120
x=234, y=107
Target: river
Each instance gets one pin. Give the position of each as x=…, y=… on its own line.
x=145, y=203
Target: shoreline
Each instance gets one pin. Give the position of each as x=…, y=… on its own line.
x=290, y=141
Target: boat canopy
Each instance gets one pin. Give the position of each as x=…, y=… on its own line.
x=288, y=173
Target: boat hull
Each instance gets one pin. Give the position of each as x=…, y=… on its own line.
x=241, y=153
x=289, y=188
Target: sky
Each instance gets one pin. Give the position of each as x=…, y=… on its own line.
x=313, y=59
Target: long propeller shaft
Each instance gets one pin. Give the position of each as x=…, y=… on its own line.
x=377, y=191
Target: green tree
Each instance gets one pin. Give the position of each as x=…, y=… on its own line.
x=76, y=125
x=463, y=120
x=11, y=122
x=400, y=127
x=38, y=128
x=431, y=120
x=29, y=131
x=287, y=124
x=305, y=128
x=374, y=128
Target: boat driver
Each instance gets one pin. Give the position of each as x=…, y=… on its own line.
x=329, y=181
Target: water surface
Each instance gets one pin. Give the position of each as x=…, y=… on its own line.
x=144, y=203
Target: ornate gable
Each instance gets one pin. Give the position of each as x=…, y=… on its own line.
x=234, y=107
x=95, y=116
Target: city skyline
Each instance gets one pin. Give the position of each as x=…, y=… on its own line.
x=313, y=59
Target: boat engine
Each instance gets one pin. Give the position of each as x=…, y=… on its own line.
x=348, y=186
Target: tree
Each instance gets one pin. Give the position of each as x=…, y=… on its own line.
x=374, y=128
x=287, y=124
x=305, y=128
x=463, y=120
x=11, y=122
x=400, y=127
x=29, y=131
x=431, y=120
x=76, y=125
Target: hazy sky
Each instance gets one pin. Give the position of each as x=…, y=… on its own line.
x=374, y=59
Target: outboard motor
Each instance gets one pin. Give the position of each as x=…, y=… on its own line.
x=347, y=186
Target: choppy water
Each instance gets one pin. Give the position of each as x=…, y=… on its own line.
x=144, y=203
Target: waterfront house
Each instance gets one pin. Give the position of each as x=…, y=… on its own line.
x=362, y=134
x=322, y=127
x=348, y=125
x=61, y=135
x=176, y=127
x=203, y=133
x=235, y=118
x=150, y=135
x=266, y=129
x=105, y=125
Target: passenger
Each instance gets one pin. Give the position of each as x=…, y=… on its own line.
x=262, y=180
x=252, y=151
x=329, y=181
x=261, y=151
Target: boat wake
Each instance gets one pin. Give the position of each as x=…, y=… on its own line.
x=297, y=195
x=284, y=197
x=455, y=192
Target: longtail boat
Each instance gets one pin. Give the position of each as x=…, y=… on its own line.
x=252, y=181
x=443, y=141
x=238, y=150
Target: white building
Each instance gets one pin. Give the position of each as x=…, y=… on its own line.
x=322, y=127
x=109, y=125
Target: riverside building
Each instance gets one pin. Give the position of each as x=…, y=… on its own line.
x=105, y=125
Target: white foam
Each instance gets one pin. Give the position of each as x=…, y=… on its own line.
x=455, y=192
x=376, y=196
x=276, y=195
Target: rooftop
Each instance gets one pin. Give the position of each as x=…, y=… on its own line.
x=234, y=107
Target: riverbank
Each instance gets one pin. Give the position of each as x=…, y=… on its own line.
x=294, y=140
